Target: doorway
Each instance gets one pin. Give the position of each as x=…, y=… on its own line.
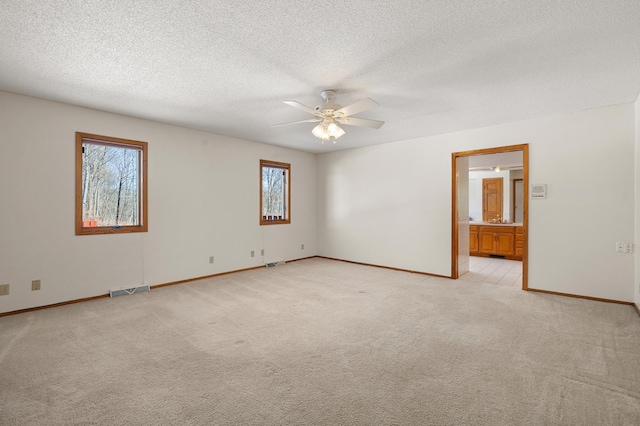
x=460, y=206
x=518, y=200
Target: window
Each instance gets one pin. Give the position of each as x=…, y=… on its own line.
x=275, y=200
x=111, y=185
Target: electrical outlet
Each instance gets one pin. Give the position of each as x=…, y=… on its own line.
x=262, y=252
x=624, y=247
x=210, y=259
x=301, y=246
x=253, y=253
x=35, y=285
x=4, y=289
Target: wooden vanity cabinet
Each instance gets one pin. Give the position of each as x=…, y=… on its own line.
x=519, y=241
x=502, y=240
x=473, y=239
x=497, y=240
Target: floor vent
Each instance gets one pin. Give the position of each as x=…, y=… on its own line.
x=272, y=264
x=123, y=291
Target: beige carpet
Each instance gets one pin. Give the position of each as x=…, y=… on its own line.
x=320, y=342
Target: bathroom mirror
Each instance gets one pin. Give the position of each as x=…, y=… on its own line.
x=495, y=187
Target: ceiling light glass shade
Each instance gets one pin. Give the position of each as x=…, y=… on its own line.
x=327, y=130
x=334, y=130
x=320, y=132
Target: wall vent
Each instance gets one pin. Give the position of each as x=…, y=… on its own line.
x=123, y=291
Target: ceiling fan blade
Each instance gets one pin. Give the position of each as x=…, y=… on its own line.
x=357, y=107
x=311, y=120
x=302, y=107
x=360, y=122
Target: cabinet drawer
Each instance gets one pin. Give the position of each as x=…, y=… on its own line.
x=496, y=229
x=503, y=229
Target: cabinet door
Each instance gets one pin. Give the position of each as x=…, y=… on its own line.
x=473, y=240
x=505, y=243
x=486, y=240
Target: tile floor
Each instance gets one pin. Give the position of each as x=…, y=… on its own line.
x=491, y=270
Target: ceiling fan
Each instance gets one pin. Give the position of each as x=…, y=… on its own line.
x=330, y=114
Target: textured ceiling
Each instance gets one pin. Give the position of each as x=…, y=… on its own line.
x=226, y=66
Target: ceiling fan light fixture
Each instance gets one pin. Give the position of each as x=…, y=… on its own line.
x=327, y=130
x=329, y=116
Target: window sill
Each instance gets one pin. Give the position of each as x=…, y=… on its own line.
x=110, y=230
x=274, y=222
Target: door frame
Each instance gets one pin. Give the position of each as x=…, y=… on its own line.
x=513, y=197
x=455, y=235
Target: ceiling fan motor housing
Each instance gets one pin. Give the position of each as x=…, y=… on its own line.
x=327, y=109
x=328, y=106
x=328, y=95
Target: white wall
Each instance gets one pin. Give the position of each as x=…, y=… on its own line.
x=391, y=204
x=637, y=198
x=386, y=204
x=203, y=201
x=462, y=168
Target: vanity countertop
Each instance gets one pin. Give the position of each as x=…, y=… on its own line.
x=494, y=224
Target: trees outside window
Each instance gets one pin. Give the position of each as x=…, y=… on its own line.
x=111, y=185
x=275, y=192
